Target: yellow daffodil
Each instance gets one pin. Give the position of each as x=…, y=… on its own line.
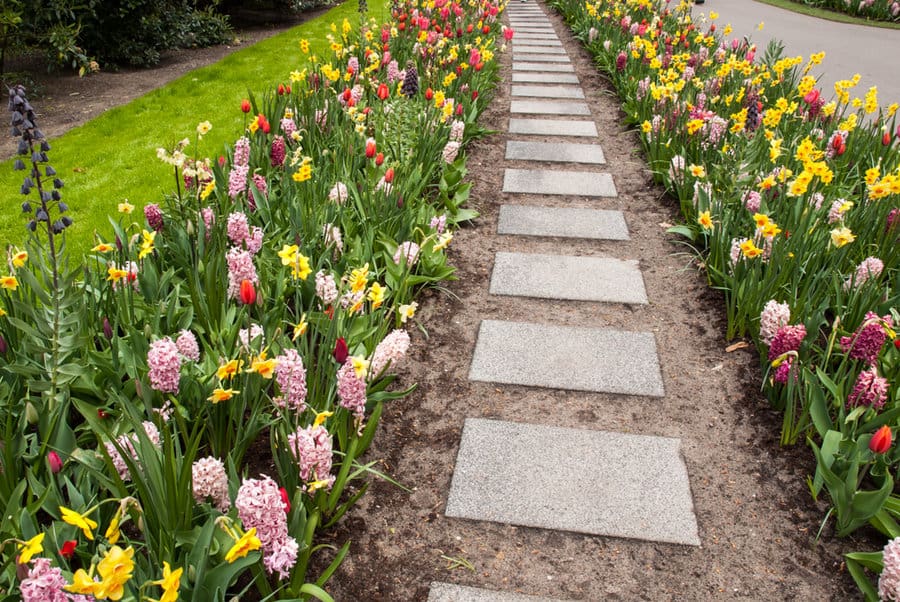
x=243, y=546
x=170, y=583
x=705, y=220
x=83, y=583
x=229, y=370
x=9, y=283
x=321, y=417
x=750, y=250
x=698, y=171
x=407, y=311
x=112, y=532
x=102, y=248
x=262, y=366
x=126, y=207
x=443, y=241
x=222, y=395
x=841, y=237
x=761, y=219
x=376, y=294
x=115, y=570
x=30, y=548
x=147, y=240
x=19, y=258
x=203, y=128
x=360, y=366
x=359, y=278
x=77, y=520
x=300, y=328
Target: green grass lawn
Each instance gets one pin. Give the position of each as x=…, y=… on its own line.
x=830, y=15
x=113, y=157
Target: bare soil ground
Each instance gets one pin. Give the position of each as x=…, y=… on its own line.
x=757, y=521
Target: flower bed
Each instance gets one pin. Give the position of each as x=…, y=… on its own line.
x=790, y=201
x=202, y=390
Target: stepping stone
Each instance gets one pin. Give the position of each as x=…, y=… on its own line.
x=548, y=30
x=544, y=78
x=537, y=41
x=553, y=127
x=548, y=107
x=601, y=279
x=595, y=482
x=446, y=592
x=545, y=67
x=538, y=49
x=566, y=222
x=567, y=152
x=566, y=357
x=548, y=91
x=550, y=181
x=541, y=58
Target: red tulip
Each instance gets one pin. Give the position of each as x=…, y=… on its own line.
x=897, y=343
x=247, y=293
x=264, y=124
x=68, y=548
x=429, y=93
x=245, y=106
x=55, y=461
x=811, y=96
x=285, y=499
x=508, y=34
x=886, y=138
x=459, y=109
x=469, y=28
x=881, y=440
x=280, y=89
x=389, y=177
x=379, y=159
x=383, y=91
x=474, y=94
x=101, y=413
x=371, y=149
x=486, y=29
x=340, y=352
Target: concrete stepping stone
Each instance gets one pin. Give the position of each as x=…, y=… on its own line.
x=553, y=127
x=536, y=40
x=544, y=78
x=566, y=357
x=538, y=49
x=548, y=181
x=596, y=482
x=548, y=91
x=601, y=279
x=542, y=67
x=541, y=58
x=567, y=152
x=548, y=107
x=545, y=30
x=447, y=592
x=566, y=222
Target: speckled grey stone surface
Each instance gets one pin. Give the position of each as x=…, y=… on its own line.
x=567, y=357
x=544, y=78
x=547, y=181
x=603, y=279
x=543, y=43
x=547, y=91
x=543, y=36
x=540, y=58
x=595, y=482
x=532, y=49
x=548, y=107
x=553, y=127
x=544, y=67
x=447, y=592
x=568, y=152
x=566, y=222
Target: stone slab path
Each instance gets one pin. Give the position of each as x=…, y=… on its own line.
x=542, y=476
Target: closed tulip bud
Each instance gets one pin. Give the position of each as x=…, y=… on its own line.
x=55, y=462
x=383, y=91
x=4, y=346
x=247, y=293
x=31, y=414
x=280, y=89
x=340, y=352
x=285, y=499
x=429, y=94
x=379, y=159
x=389, y=175
x=886, y=138
x=245, y=106
x=881, y=440
x=107, y=329
x=370, y=148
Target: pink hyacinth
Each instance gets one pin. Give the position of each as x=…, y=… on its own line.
x=238, y=229
x=259, y=181
x=187, y=345
x=834, y=213
x=408, y=250
x=290, y=374
x=277, y=152
x=288, y=126
x=451, y=150
x=127, y=443
x=326, y=288
x=870, y=267
x=255, y=336
x=311, y=447
x=242, y=151
x=45, y=583
x=165, y=365
x=438, y=223
x=211, y=481
x=457, y=129
x=209, y=218
x=391, y=350
x=774, y=315
x=351, y=389
x=254, y=242
x=889, y=581
x=752, y=200
x=240, y=268
x=338, y=193
x=393, y=72
x=259, y=506
x=333, y=236
x=237, y=180
x=866, y=343
x=154, y=216
x=893, y=218
x=870, y=390
x=787, y=339
x=816, y=200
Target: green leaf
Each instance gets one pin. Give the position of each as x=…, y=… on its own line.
x=685, y=231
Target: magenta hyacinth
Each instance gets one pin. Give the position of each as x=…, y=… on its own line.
x=787, y=339
x=164, y=361
x=870, y=390
x=866, y=343
x=277, y=152
x=154, y=216
x=259, y=505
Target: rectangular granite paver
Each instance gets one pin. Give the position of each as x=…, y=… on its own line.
x=548, y=91
x=602, y=279
x=538, y=49
x=566, y=152
x=566, y=357
x=553, y=127
x=566, y=222
x=544, y=78
x=548, y=181
x=543, y=67
x=540, y=58
x=547, y=36
x=448, y=592
x=548, y=107
x=596, y=482
x=536, y=41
